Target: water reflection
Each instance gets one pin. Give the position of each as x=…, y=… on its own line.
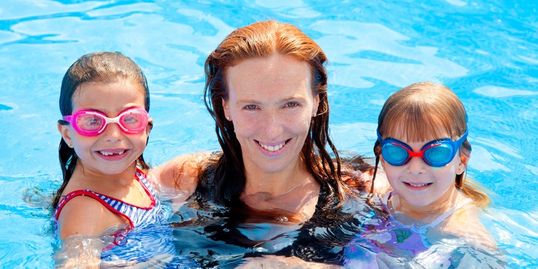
x=382, y=45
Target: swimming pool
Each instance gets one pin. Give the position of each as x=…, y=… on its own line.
x=486, y=51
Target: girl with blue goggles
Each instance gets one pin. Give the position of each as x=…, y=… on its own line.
x=431, y=192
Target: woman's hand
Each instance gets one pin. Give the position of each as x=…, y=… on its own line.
x=178, y=178
x=283, y=262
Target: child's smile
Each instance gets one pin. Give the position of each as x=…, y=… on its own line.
x=113, y=150
x=417, y=186
x=420, y=185
x=113, y=154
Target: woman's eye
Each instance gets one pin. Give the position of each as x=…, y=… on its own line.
x=250, y=107
x=292, y=104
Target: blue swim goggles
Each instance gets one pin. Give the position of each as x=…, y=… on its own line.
x=436, y=153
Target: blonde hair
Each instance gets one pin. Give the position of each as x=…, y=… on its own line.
x=424, y=111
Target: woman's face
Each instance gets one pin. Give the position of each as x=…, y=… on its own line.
x=271, y=104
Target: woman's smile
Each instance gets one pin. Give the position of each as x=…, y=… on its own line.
x=272, y=149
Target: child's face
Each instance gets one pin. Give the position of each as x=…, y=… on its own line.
x=271, y=104
x=420, y=185
x=113, y=151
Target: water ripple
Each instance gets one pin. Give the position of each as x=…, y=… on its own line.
x=113, y=10
x=500, y=92
x=17, y=10
x=291, y=9
x=8, y=36
x=344, y=38
x=516, y=234
x=5, y=107
x=483, y=160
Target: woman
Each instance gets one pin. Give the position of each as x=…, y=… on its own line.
x=266, y=88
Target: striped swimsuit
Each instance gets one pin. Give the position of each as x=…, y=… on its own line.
x=148, y=238
x=136, y=216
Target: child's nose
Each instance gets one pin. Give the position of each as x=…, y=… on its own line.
x=113, y=132
x=416, y=165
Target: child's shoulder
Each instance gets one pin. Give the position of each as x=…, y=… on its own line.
x=465, y=223
x=85, y=216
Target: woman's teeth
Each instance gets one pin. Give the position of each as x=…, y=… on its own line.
x=272, y=148
x=418, y=185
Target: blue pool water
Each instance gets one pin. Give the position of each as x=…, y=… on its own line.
x=486, y=51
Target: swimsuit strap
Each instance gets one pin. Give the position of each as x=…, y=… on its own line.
x=141, y=177
x=91, y=194
x=135, y=215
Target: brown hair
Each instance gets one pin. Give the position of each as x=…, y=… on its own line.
x=424, y=111
x=93, y=67
x=262, y=39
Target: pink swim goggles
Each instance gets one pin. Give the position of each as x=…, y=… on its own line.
x=89, y=122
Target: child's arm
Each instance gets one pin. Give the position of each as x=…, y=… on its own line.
x=180, y=175
x=82, y=223
x=79, y=252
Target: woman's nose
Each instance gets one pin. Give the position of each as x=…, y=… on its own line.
x=272, y=125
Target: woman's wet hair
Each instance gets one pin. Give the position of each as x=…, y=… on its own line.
x=103, y=67
x=226, y=180
x=424, y=111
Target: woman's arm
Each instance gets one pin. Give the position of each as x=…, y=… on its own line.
x=271, y=261
x=358, y=172
x=179, y=176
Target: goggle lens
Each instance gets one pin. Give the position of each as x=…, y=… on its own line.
x=394, y=154
x=439, y=155
x=134, y=120
x=90, y=122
